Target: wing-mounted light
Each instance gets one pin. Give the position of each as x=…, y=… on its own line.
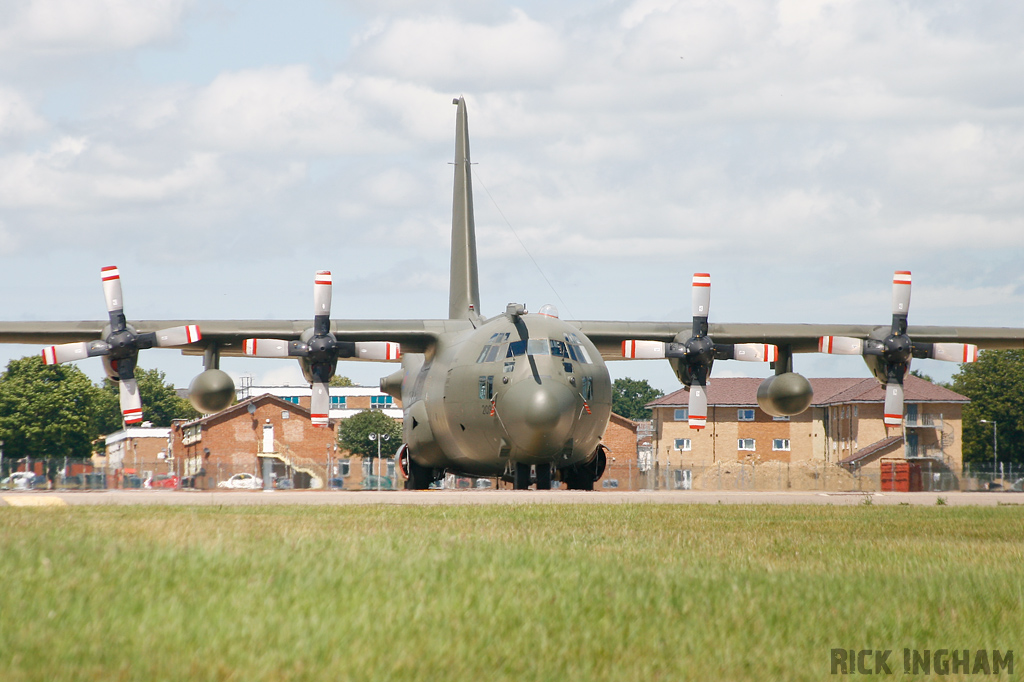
x=121, y=345
x=696, y=355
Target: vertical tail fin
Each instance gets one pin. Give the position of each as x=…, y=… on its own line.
x=464, y=286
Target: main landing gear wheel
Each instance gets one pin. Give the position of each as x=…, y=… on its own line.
x=583, y=476
x=417, y=476
x=521, y=478
x=544, y=477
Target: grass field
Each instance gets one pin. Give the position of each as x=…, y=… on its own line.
x=530, y=592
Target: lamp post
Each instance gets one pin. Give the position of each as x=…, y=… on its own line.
x=379, y=437
x=995, y=445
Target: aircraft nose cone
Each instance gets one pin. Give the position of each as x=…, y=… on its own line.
x=538, y=417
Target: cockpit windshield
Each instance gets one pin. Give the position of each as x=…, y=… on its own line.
x=555, y=347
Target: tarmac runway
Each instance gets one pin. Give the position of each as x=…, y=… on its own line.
x=41, y=498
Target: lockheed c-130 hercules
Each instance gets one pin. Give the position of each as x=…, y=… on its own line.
x=520, y=395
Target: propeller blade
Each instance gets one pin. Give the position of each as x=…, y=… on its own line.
x=319, y=404
x=322, y=302
x=112, y=288
x=701, y=297
x=643, y=350
x=131, y=401
x=274, y=348
x=893, y=403
x=755, y=352
x=698, y=414
x=841, y=345
x=67, y=352
x=954, y=352
x=378, y=350
x=177, y=336
x=901, y=292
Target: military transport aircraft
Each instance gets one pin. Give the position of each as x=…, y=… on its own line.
x=515, y=393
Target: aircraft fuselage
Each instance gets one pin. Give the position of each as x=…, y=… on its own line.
x=526, y=388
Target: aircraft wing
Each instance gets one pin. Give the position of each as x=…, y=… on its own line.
x=415, y=336
x=801, y=338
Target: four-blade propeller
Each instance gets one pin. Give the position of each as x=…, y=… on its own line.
x=896, y=349
x=320, y=350
x=120, y=346
x=699, y=352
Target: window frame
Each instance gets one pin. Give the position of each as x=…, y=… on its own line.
x=741, y=444
x=741, y=414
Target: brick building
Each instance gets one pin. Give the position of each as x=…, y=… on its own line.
x=842, y=427
x=135, y=451
x=621, y=440
x=215, y=447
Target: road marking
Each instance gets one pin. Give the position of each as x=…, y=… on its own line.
x=34, y=501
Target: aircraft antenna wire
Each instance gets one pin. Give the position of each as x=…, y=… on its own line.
x=565, y=307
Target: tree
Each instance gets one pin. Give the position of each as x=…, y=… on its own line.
x=340, y=382
x=995, y=385
x=354, y=434
x=629, y=397
x=160, y=402
x=46, y=410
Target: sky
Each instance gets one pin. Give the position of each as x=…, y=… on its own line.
x=221, y=152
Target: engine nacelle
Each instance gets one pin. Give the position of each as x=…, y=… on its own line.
x=211, y=391
x=785, y=395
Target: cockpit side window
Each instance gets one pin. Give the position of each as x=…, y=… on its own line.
x=576, y=351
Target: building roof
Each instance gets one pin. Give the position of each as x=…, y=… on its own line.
x=243, y=406
x=742, y=392
x=624, y=422
x=138, y=432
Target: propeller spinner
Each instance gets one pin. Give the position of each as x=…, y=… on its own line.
x=120, y=346
x=319, y=350
x=698, y=352
x=895, y=351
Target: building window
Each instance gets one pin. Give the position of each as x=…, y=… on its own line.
x=683, y=444
x=345, y=467
x=783, y=418
x=391, y=468
x=367, y=466
x=780, y=444
x=379, y=402
x=745, y=415
x=682, y=415
x=337, y=402
x=746, y=444
x=610, y=483
x=293, y=399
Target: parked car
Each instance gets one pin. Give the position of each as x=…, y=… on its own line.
x=242, y=482
x=93, y=480
x=284, y=484
x=374, y=482
x=163, y=481
x=23, y=480
x=336, y=484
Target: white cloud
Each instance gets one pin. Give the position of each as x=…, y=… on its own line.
x=446, y=52
x=76, y=26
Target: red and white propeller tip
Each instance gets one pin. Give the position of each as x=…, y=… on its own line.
x=319, y=404
x=893, y=410
x=698, y=407
x=901, y=292
x=701, y=294
x=112, y=288
x=322, y=287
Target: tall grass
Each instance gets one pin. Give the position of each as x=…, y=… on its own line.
x=533, y=592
